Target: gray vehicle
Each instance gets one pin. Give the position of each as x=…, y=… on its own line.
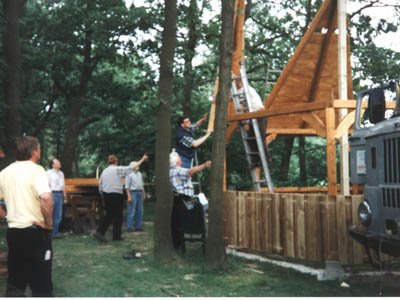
x=375, y=163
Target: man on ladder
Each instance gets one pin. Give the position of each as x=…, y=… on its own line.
x=246, y=99
x=186, y=144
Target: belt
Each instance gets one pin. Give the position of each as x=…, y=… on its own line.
x=56, y=191
x=136, y=190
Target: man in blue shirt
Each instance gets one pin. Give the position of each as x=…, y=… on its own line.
x=186, y=144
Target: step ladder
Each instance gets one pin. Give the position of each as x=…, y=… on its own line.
x=253, y=145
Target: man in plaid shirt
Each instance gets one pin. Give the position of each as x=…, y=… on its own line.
x=186, y=144
x=181, y=182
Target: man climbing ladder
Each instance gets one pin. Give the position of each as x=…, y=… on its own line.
x=246, y=99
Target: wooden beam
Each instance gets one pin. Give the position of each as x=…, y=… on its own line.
x=211, y=118
x=230, y=130
x=315, y=122
x=292, y=131
x=271, y=138
x=345, y=125
x=292, y=109
x=352, y=104
x=331, y=151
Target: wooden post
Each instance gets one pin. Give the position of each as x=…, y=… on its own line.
x=342, y=77
x=331, y=151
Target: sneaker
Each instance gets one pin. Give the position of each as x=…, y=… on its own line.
x=99, y=237
x=118, y=239
x=138, y=229
x=129, y=230
x=134, y=255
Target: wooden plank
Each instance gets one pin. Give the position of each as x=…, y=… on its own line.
x=332, y=229
x=259, y=223
x=292, y=131
x=288, y=222
x=331, y=151
x=277, y=247
x=268, y=224
x=251, y=220
x=287, y=110
x=349, y=220
x=352, y=104
x=313, y=227
x=82, y=181
x=358, y=249
x=242, y=238
x=315, y=122
x=300, y=230
x=211, y=118
x=345, y=125
x=341, y=229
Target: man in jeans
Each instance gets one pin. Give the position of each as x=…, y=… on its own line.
x=25, y=188
x=57, y=186
x=135, y=193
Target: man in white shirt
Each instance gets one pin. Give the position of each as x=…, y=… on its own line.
x=134, y=187
x=111, y=188
x=254, y=103
x=25, y=188
x=57, y=186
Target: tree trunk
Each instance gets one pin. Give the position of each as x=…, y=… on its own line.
x=285, y=161
x=75, y=105
x=163, y=249
x=71, y=137
x=12, y=55
x=215, y=251
x=192, y=18
x=302, y=161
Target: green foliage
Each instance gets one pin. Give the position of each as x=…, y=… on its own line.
x=118, y=112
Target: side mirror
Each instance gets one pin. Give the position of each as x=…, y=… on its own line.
x=376, y=105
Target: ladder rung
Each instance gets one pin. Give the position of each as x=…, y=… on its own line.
x=259, y=181
x=253, y=153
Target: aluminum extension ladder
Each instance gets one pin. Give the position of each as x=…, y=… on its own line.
x=241, y=103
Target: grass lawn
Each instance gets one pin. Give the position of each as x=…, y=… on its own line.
x=84, y=268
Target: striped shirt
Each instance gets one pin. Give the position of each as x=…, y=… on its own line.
x=180, y=181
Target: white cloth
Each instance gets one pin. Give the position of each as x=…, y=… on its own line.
x=21, y=185
x=56, y=180
x=254, y=101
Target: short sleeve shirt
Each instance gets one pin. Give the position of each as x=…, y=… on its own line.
x=21, y=185
x=180, y=181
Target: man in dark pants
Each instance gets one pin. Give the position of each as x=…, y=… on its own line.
x=25, y=188
x=111, y=188
x=181, y=182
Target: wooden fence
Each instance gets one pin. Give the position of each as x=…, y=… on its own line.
x=304, y=226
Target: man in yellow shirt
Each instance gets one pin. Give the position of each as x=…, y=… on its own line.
x=25, y=188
